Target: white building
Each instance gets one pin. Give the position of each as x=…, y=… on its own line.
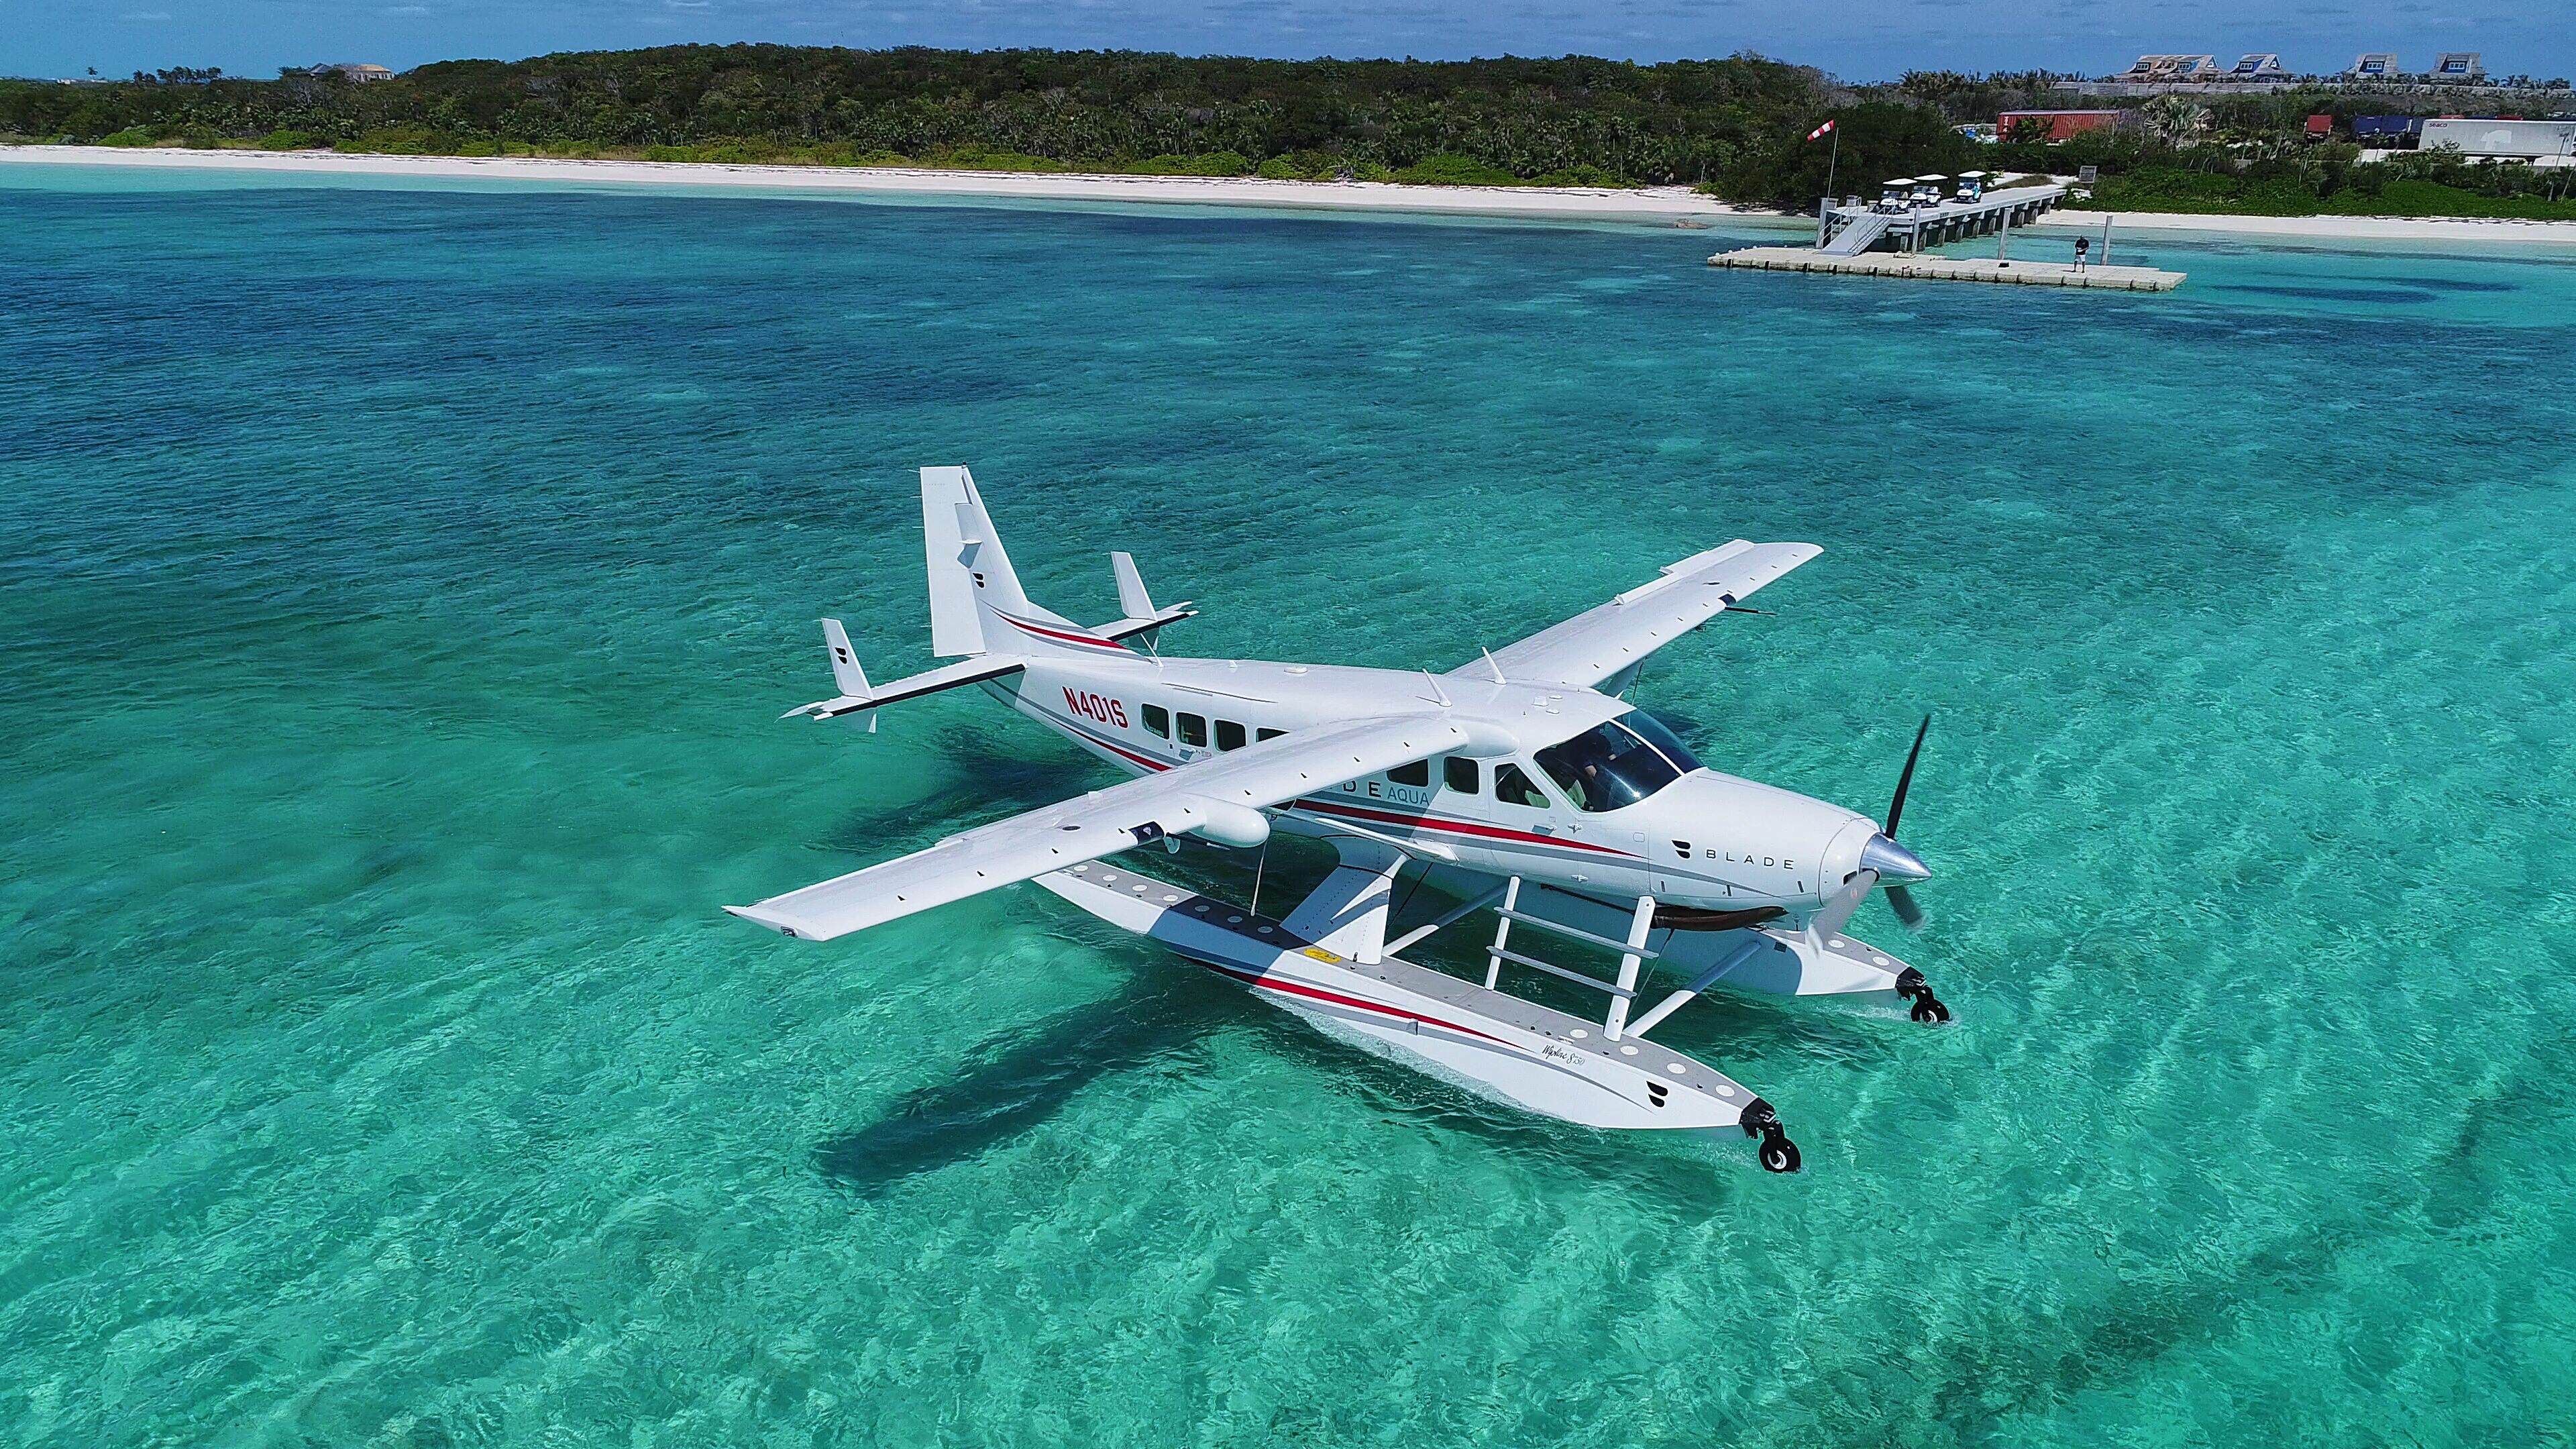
x=2257, y=67
x=2174, y=68
x=2376, y=65
x=2457, y=65
x=2540, y=143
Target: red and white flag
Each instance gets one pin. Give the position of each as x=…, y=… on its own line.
x=1820, y=130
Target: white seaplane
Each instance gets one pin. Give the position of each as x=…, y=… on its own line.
x=1520, y=782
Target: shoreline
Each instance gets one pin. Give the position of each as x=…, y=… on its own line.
x=1664, y=205
x=2321, y=228
x=1646, y=204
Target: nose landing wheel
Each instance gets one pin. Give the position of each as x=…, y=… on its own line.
x=1778, y=1153
x=1910, y=986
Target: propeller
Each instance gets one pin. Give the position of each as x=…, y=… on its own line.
x=1899, y=899
x=1884, y=864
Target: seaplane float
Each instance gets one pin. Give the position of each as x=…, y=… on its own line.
x=1521, y=783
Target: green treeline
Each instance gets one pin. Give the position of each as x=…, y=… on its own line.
x=1737, y=125
x=2409, y=184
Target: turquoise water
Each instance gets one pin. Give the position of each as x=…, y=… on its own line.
x=397, y=588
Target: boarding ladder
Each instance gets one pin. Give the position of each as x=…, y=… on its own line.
x=1633, y=955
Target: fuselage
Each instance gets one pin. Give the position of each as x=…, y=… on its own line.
x=1591, y=796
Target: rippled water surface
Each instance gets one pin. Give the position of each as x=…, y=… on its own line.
x=398, y=587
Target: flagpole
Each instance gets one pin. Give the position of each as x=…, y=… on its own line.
x=1830, y=164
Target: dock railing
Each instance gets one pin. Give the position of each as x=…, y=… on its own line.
x=1849, y=230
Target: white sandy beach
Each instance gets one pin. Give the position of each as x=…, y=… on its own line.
x=2322, y=228
x=1661, y=204
x=1658, y=205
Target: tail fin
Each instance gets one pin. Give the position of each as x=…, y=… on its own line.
x=1133, y=601
x=1142, y=618
x=976, y=605
x=846, y=671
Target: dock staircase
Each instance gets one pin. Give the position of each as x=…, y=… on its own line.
x=1856, y=235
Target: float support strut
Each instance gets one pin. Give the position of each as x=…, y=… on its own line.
x=1502, y=932
x=1446, y=921
x=1635, y=956
x=1706, y=979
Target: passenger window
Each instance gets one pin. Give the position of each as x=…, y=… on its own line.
x=1511, y=787
x=1158, y=720
x=1269, y=734
x=1417, y=773
x=1459, y=773
x=1229, y=735
x=1193, y=729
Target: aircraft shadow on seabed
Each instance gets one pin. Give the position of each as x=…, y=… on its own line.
x=1017, y=1080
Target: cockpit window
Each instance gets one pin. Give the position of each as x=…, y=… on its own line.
x=1610, y=767
x=1661, y=736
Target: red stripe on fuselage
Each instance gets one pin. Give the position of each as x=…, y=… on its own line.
x=1459, y=827
x=1043, y=632
x=1111, y=746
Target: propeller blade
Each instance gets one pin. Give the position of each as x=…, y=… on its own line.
x=1905, y=781
x=1901, y=900
x=1845, y=901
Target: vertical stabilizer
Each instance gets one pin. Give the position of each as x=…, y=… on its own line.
x=847, y=675
x=971, y=579
x=1133, y=601
x=964, y=556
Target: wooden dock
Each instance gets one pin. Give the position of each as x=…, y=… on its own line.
x=1950, y=269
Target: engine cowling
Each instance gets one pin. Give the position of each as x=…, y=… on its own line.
x=1772, y=841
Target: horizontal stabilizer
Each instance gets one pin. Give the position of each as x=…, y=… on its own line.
x=949, y=676
x=1130, y=627
x=1137, y=605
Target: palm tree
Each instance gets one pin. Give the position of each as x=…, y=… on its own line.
x=2174, y=120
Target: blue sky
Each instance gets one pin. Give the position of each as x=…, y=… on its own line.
x=1857, y=39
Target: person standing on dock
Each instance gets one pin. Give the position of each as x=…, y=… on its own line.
x=2083, y=244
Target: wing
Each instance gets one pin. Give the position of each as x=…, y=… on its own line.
x=1601, y=642
x=1221, y=791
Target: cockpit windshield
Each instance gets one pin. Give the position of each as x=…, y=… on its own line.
x=1661, y=736
x=1615, y=765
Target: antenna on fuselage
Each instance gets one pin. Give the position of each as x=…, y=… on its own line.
x=1495, y=665
x=1438, y=695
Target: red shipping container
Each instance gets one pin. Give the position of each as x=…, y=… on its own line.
x=2062, y=125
